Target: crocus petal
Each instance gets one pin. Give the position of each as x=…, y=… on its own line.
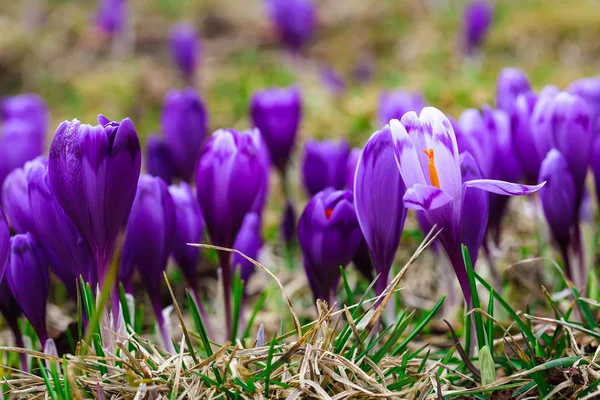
x=405, y=153
x=474, y=208
x=501, y=187
x=439, y=136
x=596, y=165
x=378, y=198
x=511, y=83
x=425, y=198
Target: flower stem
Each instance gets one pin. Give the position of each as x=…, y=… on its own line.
x=164, y=332
x=225, y=260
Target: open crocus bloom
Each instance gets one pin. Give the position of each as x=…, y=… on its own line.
x=427, y=157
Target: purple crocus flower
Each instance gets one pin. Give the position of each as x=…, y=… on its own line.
x=93, y=172
x=184, y=124
x=477, y=19
x=295, y=21
x=475, y=206
x=186, y=49
x=27, y=107
x=596, y=166
x=4, y=242
x=111, y=16
x=324, y=165
x=229, y=177
x=329, y=236
x=249, y=242
x=589, y=90
x=558, y=199
x=394, y=104
x=67, y=252
x=27, y=275
x=20, y=141
x=149, y=238
x=427, y=156
x=276, y=112
x=263, y=194
x=158, y=159
x=189, y=228
x=523, y=140
x=15, y=196
x=351, y=164
x=511, y=83
x=378, y=193
x=475, y=138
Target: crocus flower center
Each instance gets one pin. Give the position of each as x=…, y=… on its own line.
x=433, y=175
x=328, y=213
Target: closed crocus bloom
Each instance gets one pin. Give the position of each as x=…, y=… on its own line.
x=189, y=227
x=427, y=156
x=475, y=207
x=28, y=107
x=523, y=140
x=589, y=90
x=477, y=19
x=329, y=236
x=229, y=177
x=148, y=242
x=27, y=275
x=475, y=138
x=185, y=48
x=511, y=83
x=158, y=159
x=93, y=172
x=378, y=193
x=558, y=201
x=295, y=21
x=394, y=104
x=111, y=16
x=184, y=124
x=249, y=242
x=4, y=242
x=324, y=165
x=276, y=112
x=541, y=122
x=20, y=141
x=15, y=196
x=351, y=164
x=67, y=252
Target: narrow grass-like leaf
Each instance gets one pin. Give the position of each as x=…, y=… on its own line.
x=67, y=385
x=257, y=307
x=346, y=285
x=49, y=386
x=474, y=297
x=199, y=324
x=420, y=326
x=490, y=322
x=238, y=298
x=124, y=305
x=268, y=367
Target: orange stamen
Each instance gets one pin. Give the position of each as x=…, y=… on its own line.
x=433, y=175
x=328, y=213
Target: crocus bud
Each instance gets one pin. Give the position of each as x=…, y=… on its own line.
x=477, y=19
x=93, y=172
x=158, y=159
x=324, y=165
x=189, y=227
x=329, y=236
x=511, y=83
x=589, y=90
x=276, y=112
x=249, y=242
x=27, y=107
x=186, y=49
x=27, y=275
x=378, y=194
x=474, y=208
x=522, y=137
x=351, y=164
x=295, y=21
x=149, y=234
x=111, y=16
x=68, y=254
x=229, y=177
x=15, y=196
x=474, y=137
x=558, y=200
x=20, y=141
x=184, y=124
x=394, y=104
x=288, y=223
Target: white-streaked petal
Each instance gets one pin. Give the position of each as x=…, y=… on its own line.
x=503, y=188
x=405, y=153
x=425, y=198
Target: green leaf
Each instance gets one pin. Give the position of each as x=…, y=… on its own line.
x=199, y=324
x=474, y=297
